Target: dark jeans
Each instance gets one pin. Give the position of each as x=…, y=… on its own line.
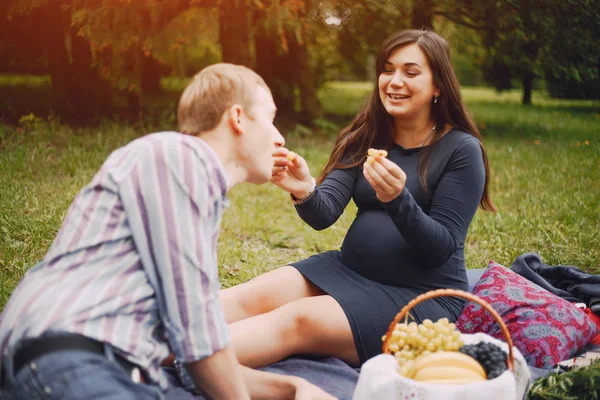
x=73, y=374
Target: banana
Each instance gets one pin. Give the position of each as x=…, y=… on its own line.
x=449, y=359
x=452, y=381
x=437, y=372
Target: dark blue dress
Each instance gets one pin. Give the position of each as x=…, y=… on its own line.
x=395, y=251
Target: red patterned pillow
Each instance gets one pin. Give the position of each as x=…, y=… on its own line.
x=544, y=327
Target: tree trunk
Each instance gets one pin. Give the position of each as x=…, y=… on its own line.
x=91, y=95
x=527, y=86
x=274, y=66
x=58, y=60
x=234, y=32
x=151, y=74
x=181, y=69
x=422, y=14
x=309, y=102
x=135, y=96
x=531, y=51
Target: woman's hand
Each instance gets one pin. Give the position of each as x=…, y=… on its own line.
x=292, y=176
x=385, y=177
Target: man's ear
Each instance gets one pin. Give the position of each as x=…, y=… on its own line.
x=234, y=118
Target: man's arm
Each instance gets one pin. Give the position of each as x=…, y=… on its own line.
x=219, y=376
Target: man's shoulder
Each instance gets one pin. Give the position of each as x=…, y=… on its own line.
x=166, y=139
x=170, y=144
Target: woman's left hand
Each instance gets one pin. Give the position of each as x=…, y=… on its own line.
x=385, y=177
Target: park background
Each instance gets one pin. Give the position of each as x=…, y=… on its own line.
x=79, y=78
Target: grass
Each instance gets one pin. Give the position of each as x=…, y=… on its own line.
x=545, y=183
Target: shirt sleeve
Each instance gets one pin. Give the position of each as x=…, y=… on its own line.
x=329, y=200
x=437, y=235
x=173, y=203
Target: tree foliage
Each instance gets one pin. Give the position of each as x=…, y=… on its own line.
x=533, y=38
x=99, y=50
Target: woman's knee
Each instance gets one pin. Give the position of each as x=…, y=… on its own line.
x=310, y=321
x=297, y=324
x=316, y=325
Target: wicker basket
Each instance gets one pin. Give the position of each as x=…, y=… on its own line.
x=510, y=360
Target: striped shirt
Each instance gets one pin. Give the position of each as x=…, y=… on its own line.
x=135, y=261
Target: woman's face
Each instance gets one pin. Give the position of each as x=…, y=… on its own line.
x=406, y=85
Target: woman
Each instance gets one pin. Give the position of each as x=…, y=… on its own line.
x=414, y=210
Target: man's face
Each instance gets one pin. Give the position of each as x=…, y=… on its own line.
x=261, y=138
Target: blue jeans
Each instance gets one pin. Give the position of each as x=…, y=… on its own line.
x=74, y=374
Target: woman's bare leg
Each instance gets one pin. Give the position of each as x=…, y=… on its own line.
x=310, y=325
x=265, y=293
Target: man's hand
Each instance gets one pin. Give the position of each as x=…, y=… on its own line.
x=267, y=385
x=292, y=176
x=385, y=177
x=308, y=391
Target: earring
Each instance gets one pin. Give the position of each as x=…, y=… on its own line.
x=435, y=99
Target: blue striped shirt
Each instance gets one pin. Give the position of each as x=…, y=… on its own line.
x=135, y=261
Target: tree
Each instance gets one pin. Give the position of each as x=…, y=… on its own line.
x=526, y=39
x=571, y=55
x=364, y=28
x=234, y=16
x=122, y=43
x=509, y=33
x=422, y=14
x=49, y=32
x=281, y=38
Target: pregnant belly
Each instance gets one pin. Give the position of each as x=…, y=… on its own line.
x=374, y=248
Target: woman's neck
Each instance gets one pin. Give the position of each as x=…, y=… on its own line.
x=410, y=134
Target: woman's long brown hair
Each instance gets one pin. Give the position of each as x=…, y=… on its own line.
x=373, y=126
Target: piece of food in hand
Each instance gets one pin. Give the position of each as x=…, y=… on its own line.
x=291, y=156
x=373, y=153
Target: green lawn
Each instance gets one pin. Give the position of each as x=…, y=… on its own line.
x=545, y=162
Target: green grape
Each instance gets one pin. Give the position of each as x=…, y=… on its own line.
x=409, y=342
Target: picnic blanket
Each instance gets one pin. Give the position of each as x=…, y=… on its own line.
x=331, y=374
x=567, y=282
x=338, y=378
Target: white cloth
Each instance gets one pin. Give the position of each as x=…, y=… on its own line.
x=379, y=379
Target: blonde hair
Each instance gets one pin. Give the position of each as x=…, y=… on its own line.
x=212, y=91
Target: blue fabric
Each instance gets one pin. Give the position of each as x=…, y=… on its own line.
x=330, y=374
x=70, y=375
x=567, y=282
x=473, y=276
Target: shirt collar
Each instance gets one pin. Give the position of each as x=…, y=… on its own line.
x=219, y=168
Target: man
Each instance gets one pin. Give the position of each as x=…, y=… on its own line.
x=132, y=274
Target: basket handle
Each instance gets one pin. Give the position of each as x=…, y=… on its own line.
x=510, y=362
